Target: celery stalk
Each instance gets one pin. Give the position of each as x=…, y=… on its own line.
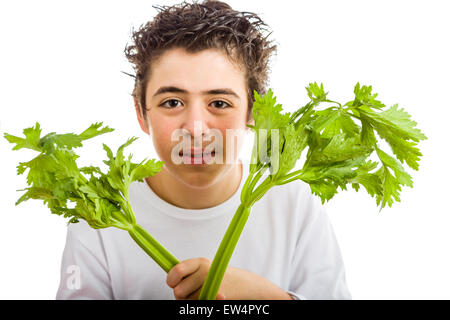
x=228, y=244
x=219, y=265
x=153, y=248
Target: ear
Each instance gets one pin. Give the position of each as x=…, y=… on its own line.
x=140, y=117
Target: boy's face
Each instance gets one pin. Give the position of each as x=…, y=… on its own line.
x=180, y=109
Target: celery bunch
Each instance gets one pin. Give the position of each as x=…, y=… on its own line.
x=337, y=154
x=101, y=199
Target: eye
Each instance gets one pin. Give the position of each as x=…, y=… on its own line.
x=172, y=104
x=221, y=104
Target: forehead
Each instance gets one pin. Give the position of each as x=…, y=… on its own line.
x=206, y=69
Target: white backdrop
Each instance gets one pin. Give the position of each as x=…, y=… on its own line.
x=60, y=64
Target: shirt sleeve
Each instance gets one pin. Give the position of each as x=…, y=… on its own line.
x=84, y=271
x=318, y=268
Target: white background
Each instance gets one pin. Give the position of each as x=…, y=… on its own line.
x=60, y=64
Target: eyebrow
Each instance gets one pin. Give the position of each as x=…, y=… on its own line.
x=173, y=89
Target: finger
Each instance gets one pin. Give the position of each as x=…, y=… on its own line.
x=196, y=294
x=189, y=287
x=181, y=270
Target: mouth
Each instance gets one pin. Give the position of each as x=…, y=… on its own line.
x=197, y=157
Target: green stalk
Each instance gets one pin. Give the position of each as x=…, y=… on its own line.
x=290, y=177
x=153, y=248
x=219, y=265
x=249, y=188
x=223, y=255
x=128, y=210
x=261, y=190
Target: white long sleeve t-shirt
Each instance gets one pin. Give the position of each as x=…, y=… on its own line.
x=288, y=239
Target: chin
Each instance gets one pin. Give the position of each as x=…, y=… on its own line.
x=199, y=178
x=196, y=176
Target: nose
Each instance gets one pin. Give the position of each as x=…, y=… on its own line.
x=195, y=122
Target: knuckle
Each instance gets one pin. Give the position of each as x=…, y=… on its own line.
x=179, y=292
x=178, y=269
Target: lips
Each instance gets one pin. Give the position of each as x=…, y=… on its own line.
x=196, y=153
x=197, y=157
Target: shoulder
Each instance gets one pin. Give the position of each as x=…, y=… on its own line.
x=138, y=190
x=81, y=235
x=81, y=230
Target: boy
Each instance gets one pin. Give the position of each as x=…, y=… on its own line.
x=197, y=66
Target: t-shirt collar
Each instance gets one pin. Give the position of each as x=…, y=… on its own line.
x=153, y=200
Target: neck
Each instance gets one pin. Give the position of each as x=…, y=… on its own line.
x=182, y=195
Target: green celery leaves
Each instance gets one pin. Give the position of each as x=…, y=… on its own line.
x=80, y=193
x=338, y=141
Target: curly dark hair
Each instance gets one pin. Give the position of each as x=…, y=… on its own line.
x=196, y=27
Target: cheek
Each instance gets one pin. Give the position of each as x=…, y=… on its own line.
x=233, y=133
x=234, y=121
x=161, y=132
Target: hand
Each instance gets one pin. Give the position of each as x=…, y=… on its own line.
x=187, y=277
